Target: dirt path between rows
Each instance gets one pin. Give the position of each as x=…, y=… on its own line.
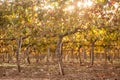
x=73, y=71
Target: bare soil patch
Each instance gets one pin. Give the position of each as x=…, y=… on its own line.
x=73, y=71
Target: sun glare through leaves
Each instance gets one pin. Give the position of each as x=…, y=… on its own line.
x=70, y=8
x=80, y=4
x=86, y=3
x=48, y=7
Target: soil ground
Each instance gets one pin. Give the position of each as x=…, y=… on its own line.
x=73, y=71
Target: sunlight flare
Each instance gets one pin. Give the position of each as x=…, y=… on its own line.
x=36, y=8
x=79, y=4
x=48, y=7
x=88, y=3
x=116, y=5
x=70, y=8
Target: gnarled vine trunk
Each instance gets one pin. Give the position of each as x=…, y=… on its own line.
x=19, y=44
x=59, y=54
x=27, y=54
x=92, y=53
x=79, y=55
